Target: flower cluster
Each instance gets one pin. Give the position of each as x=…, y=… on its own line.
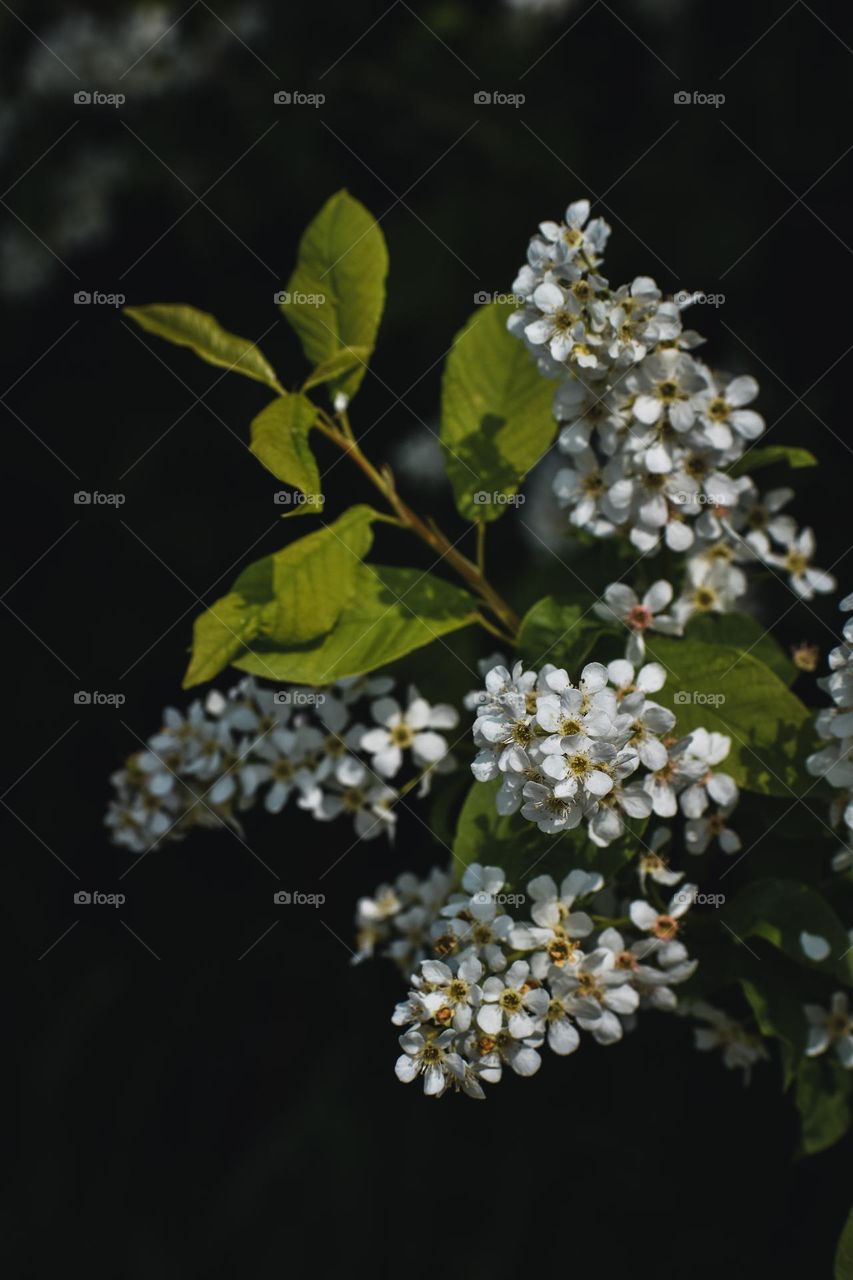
x=834, y=762
x=488, y=990
x=564, y=753
x=258, y=745
x=650, y=432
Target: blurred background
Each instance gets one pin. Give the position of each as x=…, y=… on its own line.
x=206, y=1088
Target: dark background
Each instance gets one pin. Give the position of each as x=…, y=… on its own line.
x=206, y=1087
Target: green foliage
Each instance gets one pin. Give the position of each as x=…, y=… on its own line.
x=389, y=613
x=496, y=419
x=286, y=599
x=742, y=631
x=562, y=633
x=336, y=293
x=822, y=1095
x=203, y=334
x=483, y=835
x=722, y=689
x=780, y=910
x=757, y=459
x=280, y=441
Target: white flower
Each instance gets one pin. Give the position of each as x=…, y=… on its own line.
x=800, y=547
x=832, y=1028
x=432, y=1058
x=663, y=926
x=413, y=729
x=639, y=616
x=704, y=751
x=699, y=832
x=507, y=1001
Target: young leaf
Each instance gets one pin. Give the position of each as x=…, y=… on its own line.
x=496, y=419
x=725, y=690
x=564, y=634
x=286, y=599
x=757, y=459
x=203, y=334
x=336, y=294
x=280, y=440
x=390, y=612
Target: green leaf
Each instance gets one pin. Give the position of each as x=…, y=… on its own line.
x=844, y=1252
x=823, y=1101
x=742, y=631
x=564, y=634
x=522, y=850
x=203, y=334
x=337, y=365
x=389, y=613
x=280, y=440
x=286, y=599
x=757, y=459
x=780, y=911
x=336, y=294
x=496, y=419
x=726, y=691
